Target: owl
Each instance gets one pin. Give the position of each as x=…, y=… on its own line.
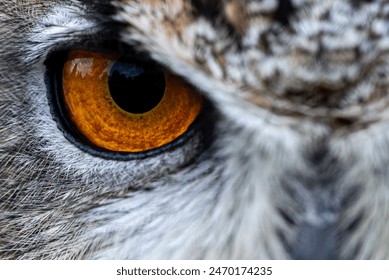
x=194, y=129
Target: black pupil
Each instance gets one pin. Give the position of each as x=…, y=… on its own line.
x=136, y=88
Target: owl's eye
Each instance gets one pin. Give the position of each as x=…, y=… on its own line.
x=123, y=105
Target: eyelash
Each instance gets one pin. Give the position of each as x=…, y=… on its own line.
x=60, y=111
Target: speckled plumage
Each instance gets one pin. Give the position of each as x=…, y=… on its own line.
x=290, y=160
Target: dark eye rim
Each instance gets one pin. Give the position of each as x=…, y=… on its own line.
x=53, y=79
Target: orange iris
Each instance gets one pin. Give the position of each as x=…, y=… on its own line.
x=92, y=109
